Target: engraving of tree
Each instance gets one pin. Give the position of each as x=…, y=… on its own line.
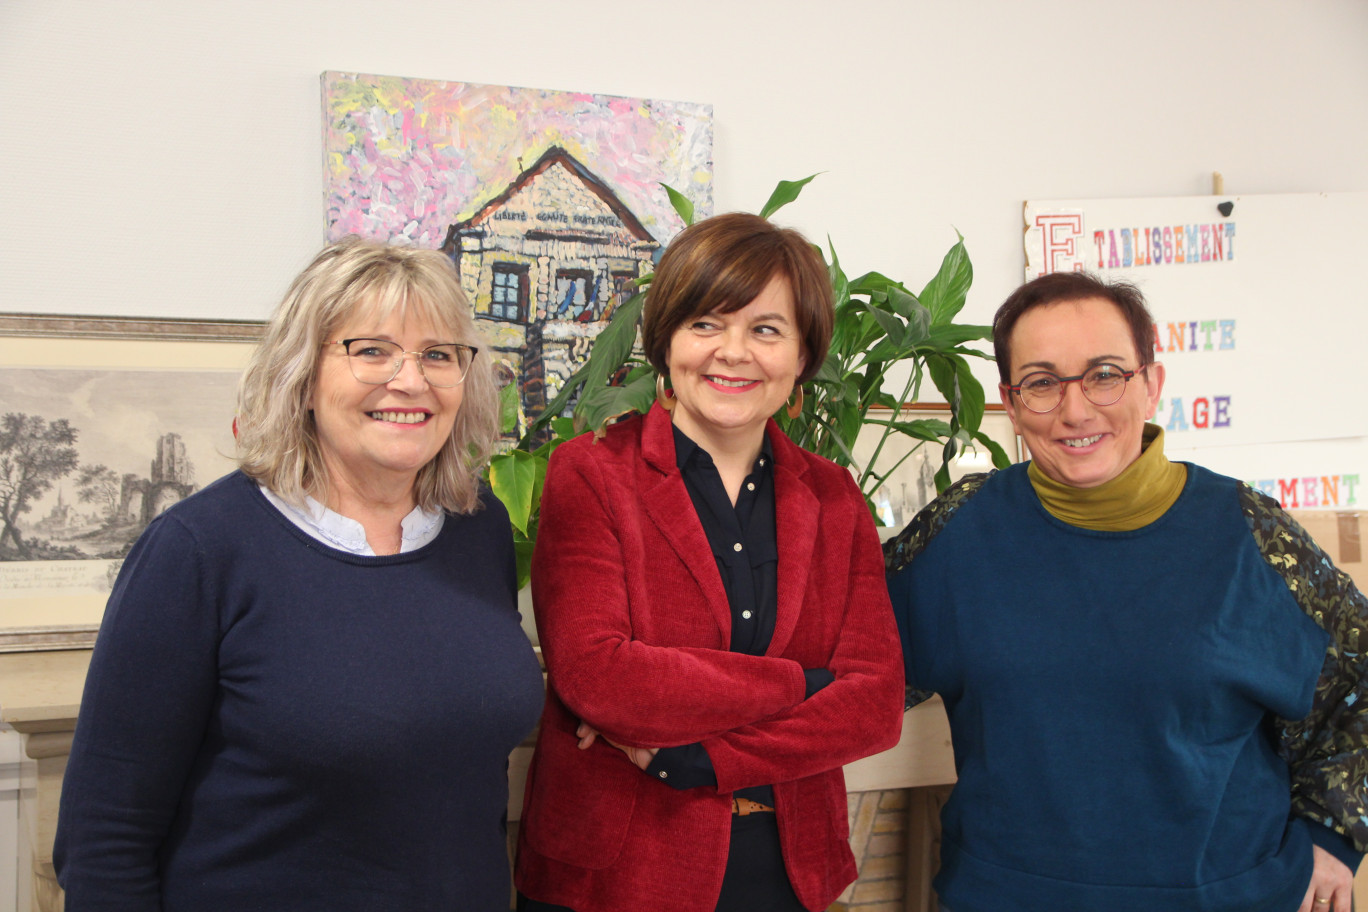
x=101, y=486
x=33, y=454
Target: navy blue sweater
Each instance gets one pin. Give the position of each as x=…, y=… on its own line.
x=1109, y=696
x=269, y=723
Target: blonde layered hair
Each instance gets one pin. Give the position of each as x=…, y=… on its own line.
x=277, y=439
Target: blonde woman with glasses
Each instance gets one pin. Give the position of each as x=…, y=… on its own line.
x=310, y=673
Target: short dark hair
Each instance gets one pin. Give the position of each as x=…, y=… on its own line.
x=722, y=264
x=1058, y=287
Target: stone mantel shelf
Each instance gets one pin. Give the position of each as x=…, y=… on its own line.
x=41, y=691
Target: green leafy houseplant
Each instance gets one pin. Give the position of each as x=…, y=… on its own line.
x=880, y=325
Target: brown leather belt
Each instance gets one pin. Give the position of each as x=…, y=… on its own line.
x=743, y=806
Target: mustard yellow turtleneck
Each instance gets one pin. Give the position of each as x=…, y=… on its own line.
x=1135, y=498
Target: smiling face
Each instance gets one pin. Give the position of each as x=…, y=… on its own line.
x=732, y=371
x=1079, y=443
x=375, y=438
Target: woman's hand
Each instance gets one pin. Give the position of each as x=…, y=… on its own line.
x=1332, y=884
x=641, y=756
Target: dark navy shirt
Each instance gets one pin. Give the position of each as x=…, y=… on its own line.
x=742, y=539
x=743, y=542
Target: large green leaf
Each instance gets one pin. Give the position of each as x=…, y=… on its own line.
x=930, y=429
x=972, y=353
x=945, y=294
x=614, y=345
x=902, y=301
x=941, y=367
x=971, y=397
x=830, y=371
x=522, y=553
x=836, y=449
x=890, y=349
x=853, y=328
x=1000, y=458
x=601, y=405
x=874, y=283
x=840, y=286
x=785, y=193
x=882, y=399
x=893, y=328
x=564, y=429
x=871, y=382
x=843, y=329
x=681, y=204
x=960, y=387
x=515, y=477
x=943, y=473
x=946, y=336
x=847, y=423
x=916, y=314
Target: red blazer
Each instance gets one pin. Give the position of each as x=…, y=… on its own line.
x=634, y=625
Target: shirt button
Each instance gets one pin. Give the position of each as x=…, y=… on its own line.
x=664, y=775
x=750, y=486
x=736, y=547
x=746, y=614
x=762, y=460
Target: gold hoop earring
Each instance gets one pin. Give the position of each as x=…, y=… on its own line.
x=795, y=406
x=663, y=396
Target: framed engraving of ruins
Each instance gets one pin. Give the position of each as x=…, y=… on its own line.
x=104, y=423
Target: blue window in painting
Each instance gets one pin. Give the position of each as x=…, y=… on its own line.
x=508, y=293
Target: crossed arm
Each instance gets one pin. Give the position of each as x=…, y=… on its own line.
x=752, y=714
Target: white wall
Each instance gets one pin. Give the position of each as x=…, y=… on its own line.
x=163, y=158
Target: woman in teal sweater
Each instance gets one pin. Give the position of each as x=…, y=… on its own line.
x=1156, y=697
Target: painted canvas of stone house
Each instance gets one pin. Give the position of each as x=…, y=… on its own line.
x=544, y=262
x=549, y=202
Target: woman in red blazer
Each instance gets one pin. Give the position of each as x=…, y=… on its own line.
x=711, y=603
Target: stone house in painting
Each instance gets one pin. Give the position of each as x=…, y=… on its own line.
x=543, y=263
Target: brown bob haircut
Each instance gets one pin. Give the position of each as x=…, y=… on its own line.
x=1058, y=287
x=721, y=264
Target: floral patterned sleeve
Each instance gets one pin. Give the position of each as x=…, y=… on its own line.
x=1328, y=750
x=907, y=544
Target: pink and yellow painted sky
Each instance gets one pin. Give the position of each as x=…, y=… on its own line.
x=408, y=157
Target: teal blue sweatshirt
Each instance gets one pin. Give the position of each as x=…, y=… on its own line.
x=1110, y=696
